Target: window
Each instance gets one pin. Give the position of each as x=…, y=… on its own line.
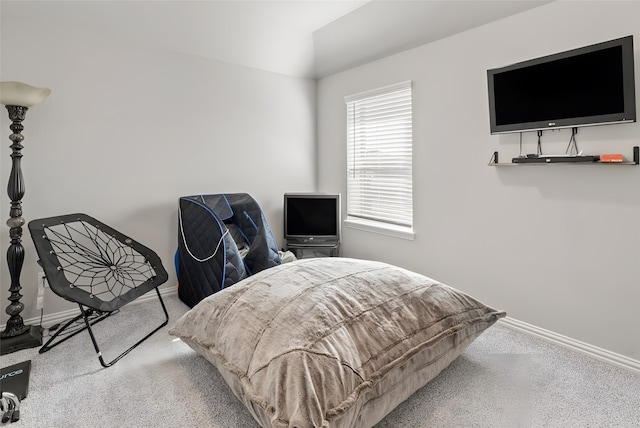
x=379, y=160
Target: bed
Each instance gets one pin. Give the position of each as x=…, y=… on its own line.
x=332, y=342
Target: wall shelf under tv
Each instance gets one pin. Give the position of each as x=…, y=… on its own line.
x=636, y=160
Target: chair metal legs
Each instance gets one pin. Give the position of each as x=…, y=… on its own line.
x=86, y=313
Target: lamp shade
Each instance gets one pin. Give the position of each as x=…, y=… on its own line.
x=21, y=94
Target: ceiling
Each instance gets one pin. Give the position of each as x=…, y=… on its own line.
x=303, y=38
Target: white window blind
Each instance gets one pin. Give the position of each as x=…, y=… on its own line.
x=379, y=155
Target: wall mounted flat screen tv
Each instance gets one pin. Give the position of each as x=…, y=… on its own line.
x=592, y=85
x=311, y=218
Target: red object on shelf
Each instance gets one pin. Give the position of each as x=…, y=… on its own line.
x=611, y=157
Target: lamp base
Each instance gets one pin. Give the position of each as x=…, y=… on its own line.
x=29, y=339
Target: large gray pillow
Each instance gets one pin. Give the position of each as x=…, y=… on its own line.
x=332, y=342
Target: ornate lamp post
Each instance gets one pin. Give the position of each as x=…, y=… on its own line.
x=17, y=97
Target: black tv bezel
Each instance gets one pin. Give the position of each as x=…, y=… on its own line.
x=313, y=239
x=628, y=76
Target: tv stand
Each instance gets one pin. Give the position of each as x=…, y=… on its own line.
x=315, y=249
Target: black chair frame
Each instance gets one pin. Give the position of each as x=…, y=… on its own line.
x=97, y=267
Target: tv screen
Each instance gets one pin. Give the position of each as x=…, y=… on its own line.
x=592, y=85
x=311, y=217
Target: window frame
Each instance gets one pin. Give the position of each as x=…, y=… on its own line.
x=372, y=222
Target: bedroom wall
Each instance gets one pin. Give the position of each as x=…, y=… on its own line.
x=129, y=128
x=557, y=247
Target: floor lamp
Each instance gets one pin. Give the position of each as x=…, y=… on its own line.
x=17, y=97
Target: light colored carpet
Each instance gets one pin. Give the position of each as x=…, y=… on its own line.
x=504, y=379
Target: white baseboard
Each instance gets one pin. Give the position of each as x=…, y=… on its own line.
x=576, y=345
x=59, y=317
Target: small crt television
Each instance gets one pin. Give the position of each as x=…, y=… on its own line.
x=311, y=218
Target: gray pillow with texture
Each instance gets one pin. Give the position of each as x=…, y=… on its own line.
x=332, y=342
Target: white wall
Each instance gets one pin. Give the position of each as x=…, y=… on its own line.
x=128, y=129
x=558, y=247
